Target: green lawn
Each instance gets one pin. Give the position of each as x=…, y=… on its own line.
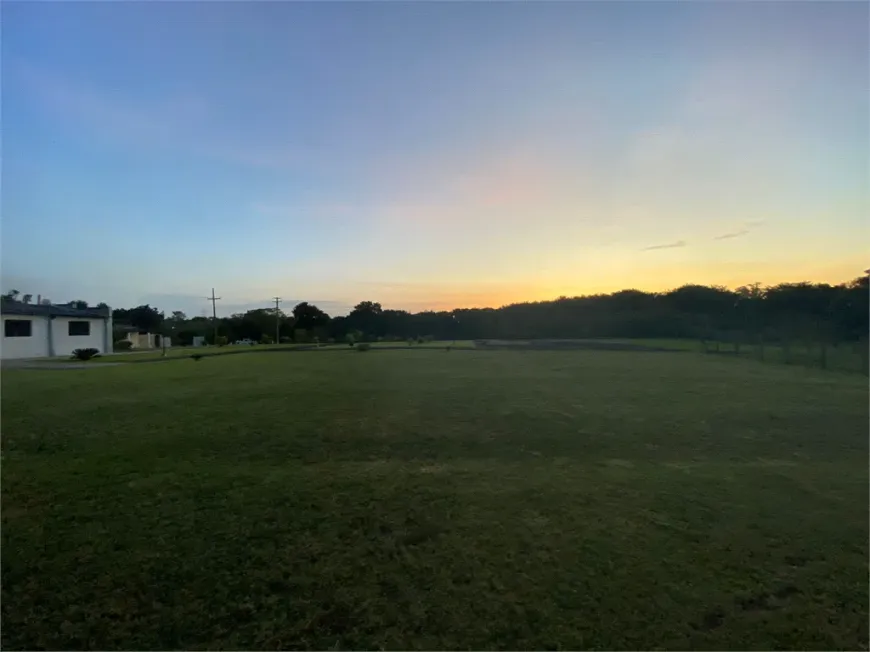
x=468, y=499
x=187, y=351
x=662, y=343
x=436, y=344
x=172, y=352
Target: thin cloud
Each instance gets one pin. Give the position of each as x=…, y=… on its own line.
x=733, y=234
x=669, y=245
x=747, y=227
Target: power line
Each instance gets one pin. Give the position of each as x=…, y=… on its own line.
x=277, y=301
x=213, y=300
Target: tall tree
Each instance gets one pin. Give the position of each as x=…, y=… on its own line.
x=145, y=318
x=11, y=296
x=309, y=317
x=368, y=307
x=366, y=317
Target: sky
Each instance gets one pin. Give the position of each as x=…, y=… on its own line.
x=429, y=155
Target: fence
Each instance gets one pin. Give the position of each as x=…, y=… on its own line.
x=835, y=356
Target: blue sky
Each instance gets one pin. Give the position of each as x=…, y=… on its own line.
x=429, y=155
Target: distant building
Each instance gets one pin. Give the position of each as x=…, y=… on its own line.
x=147, y=340
x=43, y=330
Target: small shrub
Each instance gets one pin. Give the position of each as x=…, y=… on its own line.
x=221, y=340
x=447, y=348
x=85, y=354
x=331, y=340
x=363, y=346
x=196, y=357
x=123, y=345
x=267, y=339
x=419, y=340
x=349, y=338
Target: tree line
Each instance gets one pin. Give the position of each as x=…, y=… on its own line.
x=817, y=312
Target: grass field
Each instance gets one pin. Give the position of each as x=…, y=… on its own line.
x=171, y=353
x=187, y=351
x=481, y=499
x=844, y=357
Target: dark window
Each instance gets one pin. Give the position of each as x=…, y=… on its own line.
x=17, y=328
x=80, y=328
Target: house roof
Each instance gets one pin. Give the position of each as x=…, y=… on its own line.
x=35, y=310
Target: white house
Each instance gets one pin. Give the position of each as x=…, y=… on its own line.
x=39, y=330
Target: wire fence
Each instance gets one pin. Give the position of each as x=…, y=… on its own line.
x=849, y=357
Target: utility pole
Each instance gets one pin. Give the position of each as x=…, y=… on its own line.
x=277, y=301
x=213, y=300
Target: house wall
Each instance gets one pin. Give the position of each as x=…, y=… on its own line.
x=35, y=346
x=52, y=338
x=65, y=344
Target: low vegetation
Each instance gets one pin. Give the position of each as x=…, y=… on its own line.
x=496, y=499
x=85, y=354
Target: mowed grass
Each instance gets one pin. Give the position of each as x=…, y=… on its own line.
x=431, y=500
x=841, y=357
x=208, y=351
x=151, y=355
